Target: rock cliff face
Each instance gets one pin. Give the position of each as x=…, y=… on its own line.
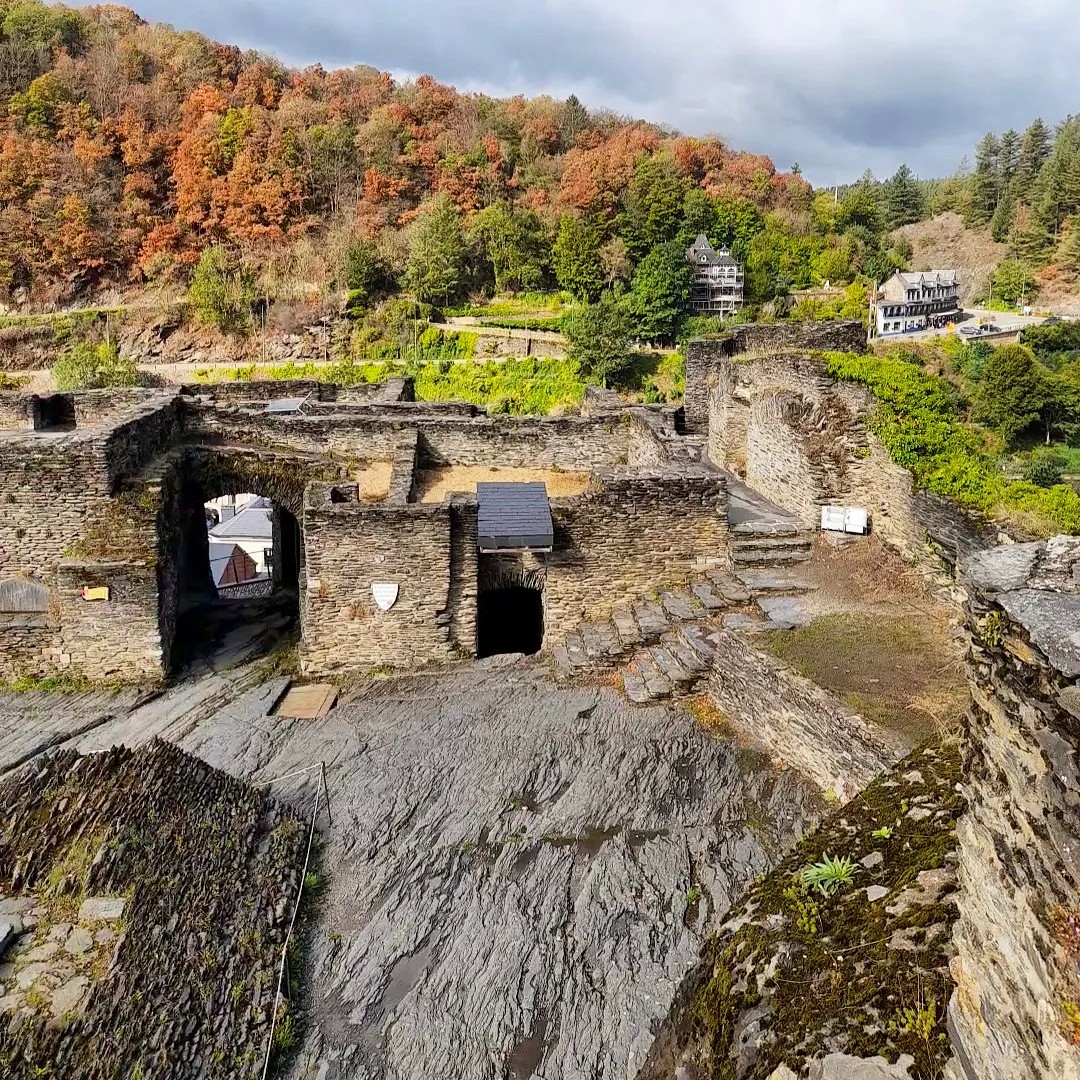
x=1015, y=1014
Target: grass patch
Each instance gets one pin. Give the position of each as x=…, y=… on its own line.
x=899, y=672
x=528, y=303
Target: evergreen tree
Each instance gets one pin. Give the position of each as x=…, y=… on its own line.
x=1069, y=253
x=1010, y=394
x=654, y=205
x=903, y=199
x=576, y=259
x=573, y=120
x=1009, y=157
x=437, y=262
x=1034, y=149
x=985, y=181
x=1001, y=223
x=598, y=338
x=659, y=292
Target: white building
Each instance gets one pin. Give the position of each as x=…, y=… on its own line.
x=717, y=287
x=251, y=530
x=916, y=301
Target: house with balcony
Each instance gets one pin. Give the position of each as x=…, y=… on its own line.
x=717, y=287
x=917, y=301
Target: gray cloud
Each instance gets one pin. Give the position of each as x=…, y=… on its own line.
x=838, y=91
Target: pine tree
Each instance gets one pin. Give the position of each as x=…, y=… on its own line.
x=1034, y=150
x=985, y=181
x=1001, y=223
x=573, y=120
x=436, y=272
x=903, y=198
x=1009, y=157
x=658, y=294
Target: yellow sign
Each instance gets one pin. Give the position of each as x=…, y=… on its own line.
x=95, y=592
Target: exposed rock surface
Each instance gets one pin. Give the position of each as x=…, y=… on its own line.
x=834, y=984
x=518, y=876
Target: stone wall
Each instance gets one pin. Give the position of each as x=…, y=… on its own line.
x=800, y=438
x=572, y=443
x=630, y=532
x=704, y=354
x=1015, y=1014
x=797, y=722
x=204, y=872
x=349, y=547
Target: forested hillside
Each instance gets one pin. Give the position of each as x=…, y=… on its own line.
x=1023, y=191
x=127, y=150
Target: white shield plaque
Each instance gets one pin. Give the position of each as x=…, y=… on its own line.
x=385, y=594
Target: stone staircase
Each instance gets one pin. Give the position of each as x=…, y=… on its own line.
x=665, y=645
x=768, y=543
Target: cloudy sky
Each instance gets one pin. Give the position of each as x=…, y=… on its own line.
x=837, y=86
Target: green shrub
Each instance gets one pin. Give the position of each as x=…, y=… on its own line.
x=222, y=290
x=94, y=367
x=917, y=419
x=829, y=875
x=1045, y=467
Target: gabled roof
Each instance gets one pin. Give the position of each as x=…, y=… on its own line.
x=253, y=522
x=702, y=253
x=928, y=279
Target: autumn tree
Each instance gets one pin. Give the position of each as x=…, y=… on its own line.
x=438, y=258
x=576, y=259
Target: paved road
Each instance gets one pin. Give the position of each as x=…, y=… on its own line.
x=1003, y=319
x=518, y=875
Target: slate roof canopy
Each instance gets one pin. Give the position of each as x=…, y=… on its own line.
x=514, y=516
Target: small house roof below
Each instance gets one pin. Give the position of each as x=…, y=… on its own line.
x=514, y=517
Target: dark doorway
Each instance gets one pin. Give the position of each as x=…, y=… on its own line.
x=509, y=620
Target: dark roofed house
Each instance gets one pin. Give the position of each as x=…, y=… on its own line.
x=717, y=287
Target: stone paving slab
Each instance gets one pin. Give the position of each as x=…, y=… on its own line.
x=708, y=598
x=671, y=668
x=650, y=618
x=626, y=626
x=680, y=605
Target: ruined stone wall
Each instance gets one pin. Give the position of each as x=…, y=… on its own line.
x=350, y=546
x=14, y=411
x=205, y=872
x=464, y=573
x=114, y=640
x=705, y=354
x=799, y=436
x=1014, y=1013
x=652, y=438
x=797, y=722
x=571, y=443
x=626, y=535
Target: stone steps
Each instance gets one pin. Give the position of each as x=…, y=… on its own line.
x=757, y=544
x=666, y=645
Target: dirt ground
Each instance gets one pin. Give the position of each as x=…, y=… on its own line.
x=878, y=640
x=943, y=243
x=374, y=480
x=433, y=485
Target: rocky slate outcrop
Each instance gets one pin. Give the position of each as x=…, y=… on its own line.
x=824, y=985
x=152, y=895
x=1016, y=1010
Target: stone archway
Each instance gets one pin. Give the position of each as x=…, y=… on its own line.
x=509, y=605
